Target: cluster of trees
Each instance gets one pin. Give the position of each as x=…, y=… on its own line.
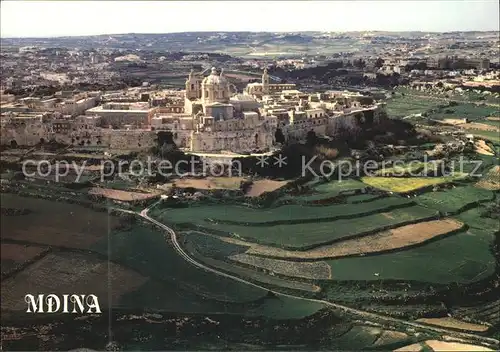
x=48, y=90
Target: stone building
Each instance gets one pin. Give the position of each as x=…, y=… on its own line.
x=214, y=118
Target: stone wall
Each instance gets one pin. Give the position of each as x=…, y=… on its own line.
x=32, y=134
x=237, y=141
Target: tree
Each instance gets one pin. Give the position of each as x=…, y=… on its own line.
x=379, y=62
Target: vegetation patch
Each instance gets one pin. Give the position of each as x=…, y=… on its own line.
x=150, y=253
x=123, y=196
x=336, y=187
x=315, y=270
x=491, y=180
x=394, y=239
x=435, y=262
x=455, y=199
x=15, y=256
x=70, y=272
x=55, y=223
x=309, y=235
x=407, y=184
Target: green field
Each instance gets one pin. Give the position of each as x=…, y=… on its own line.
x=211, y=246
x=400, y=106
x=470, y=111
x=148, y=252
x=452, y=200
x=414, y=168
x=464, y=257
x=321, y=190
x=178, y=286
x=303, y=236
x=337, y=187
x=241, y=215
x=361, y=198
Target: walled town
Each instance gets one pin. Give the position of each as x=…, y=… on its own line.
x=210, y=115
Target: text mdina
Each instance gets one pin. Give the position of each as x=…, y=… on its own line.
x=66, y=303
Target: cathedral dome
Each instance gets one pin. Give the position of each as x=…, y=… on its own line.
x=214, y=78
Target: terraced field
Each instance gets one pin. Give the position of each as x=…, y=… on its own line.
x=491, y=180
x=484, y=312
x=455, y=199
x=286, y=214
x=400, y=106
x=398, y=238
x=320, y=190
x=415, y=168
x=314, y=270
x=294, y=236
x=464, y=257
x=407, y=184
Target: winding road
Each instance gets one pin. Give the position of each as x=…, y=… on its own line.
x=364, y=314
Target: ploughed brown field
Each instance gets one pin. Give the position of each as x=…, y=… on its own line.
x=437, y=345
x=262, y=186
x=483, y=148
x=64, y=273
x=124, y=196
x=55, y=223
x=15, y=255
x=210, y=183
x=448, y=322
x=492, y=179
x=399, y=237
x=480, y=126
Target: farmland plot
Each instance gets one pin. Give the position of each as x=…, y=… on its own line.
x=148, y=252
x=452, y=200
x=315, y=270
x=393, y=239
x=55, y=223
x=453, y=324
x=491, y=180
x=70, y=272
x=407, y=184
x=305, y=236
x=15, y=255
x=337, y=187
x=463, y=258
x=124, y=196
x=240, y=215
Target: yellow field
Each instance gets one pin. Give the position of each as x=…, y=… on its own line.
x=406, y=184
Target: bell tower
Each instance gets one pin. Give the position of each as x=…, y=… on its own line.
x=265, y=82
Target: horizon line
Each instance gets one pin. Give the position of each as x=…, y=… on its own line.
x=246, y=31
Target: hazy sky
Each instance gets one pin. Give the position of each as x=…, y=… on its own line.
x=61, y=18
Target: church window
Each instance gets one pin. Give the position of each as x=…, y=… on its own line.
x=192, y=86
